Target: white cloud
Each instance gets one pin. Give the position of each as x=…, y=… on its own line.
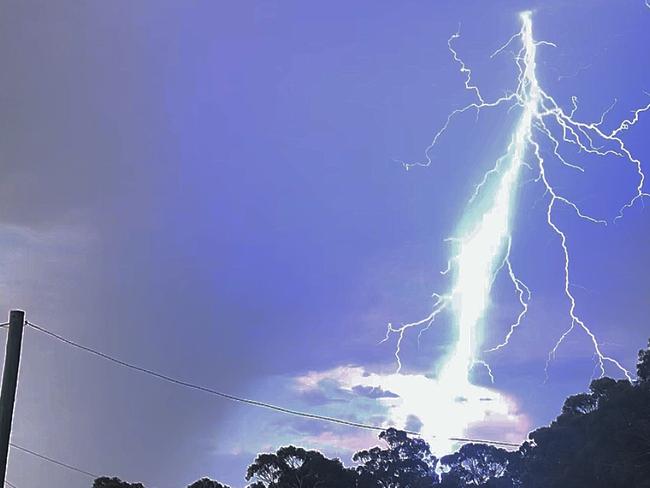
x=445, y=409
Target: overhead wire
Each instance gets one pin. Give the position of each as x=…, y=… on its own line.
x=247, y=401
x=54, y=461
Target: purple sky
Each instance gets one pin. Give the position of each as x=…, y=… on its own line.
x=210, y=189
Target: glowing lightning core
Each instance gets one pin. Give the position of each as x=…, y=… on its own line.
x=483, y=249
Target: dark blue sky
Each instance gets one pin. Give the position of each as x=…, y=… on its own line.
x=210, y=189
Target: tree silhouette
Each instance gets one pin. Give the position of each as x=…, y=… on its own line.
x=476, y=465
x=294, y=467
x=207, y=483
x=643, y=365
x=406, y=462
x=600, y=440
x=105, y=482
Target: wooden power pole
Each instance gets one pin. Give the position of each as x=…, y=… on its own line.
x=9, y=383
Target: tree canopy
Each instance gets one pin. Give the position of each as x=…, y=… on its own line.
x=207, y=483
x=406, y=461
x=105, y=482
x=295, y=467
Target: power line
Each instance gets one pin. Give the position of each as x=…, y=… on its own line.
x=255, y=403
x=54, y=461
x=10, y=485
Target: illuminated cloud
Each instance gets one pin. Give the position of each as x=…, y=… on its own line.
x=421, y=404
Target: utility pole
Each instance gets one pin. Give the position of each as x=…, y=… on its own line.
x=9, y=383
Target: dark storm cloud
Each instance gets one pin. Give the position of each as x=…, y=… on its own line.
x=320, y=397
x=373, y=392
x=413, y=423
x=329, y=391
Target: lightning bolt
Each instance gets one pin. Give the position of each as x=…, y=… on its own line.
x=482, y=251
